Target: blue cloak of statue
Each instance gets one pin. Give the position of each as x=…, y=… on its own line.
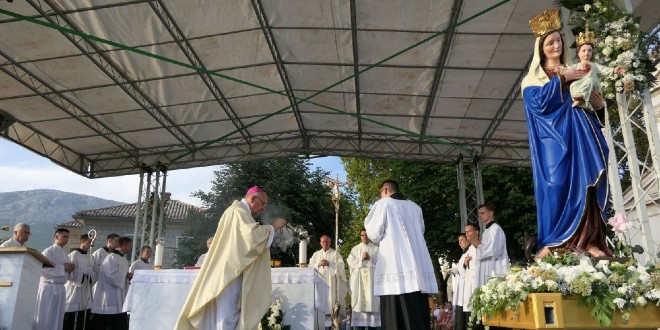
x=569, y=155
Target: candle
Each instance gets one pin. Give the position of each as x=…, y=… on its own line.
x=158, y=259
x=302, y=252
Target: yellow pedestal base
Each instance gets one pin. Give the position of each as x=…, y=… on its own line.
x=552, y=311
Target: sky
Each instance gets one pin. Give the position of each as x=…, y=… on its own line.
x=22, y=169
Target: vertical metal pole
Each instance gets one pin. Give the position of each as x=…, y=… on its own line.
x=633, y=167
x=138, y=206
x=154, y=208
x=460, y=178
x=478, y=185
x=145, y=208
x=479, y=191
x=161, y=211
x=652, y=134
x=613, y=169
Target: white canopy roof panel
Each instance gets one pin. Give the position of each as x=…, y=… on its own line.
x=202, y=82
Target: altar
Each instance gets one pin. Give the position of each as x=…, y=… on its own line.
x=155, y=297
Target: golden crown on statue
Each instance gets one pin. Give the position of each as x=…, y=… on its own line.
x=545, y=22
x=586, y=37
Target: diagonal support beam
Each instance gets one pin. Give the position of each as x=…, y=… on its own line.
x=170, y=24
x=113, y=70
x=32, y=139
x=447, y=41
x=50, y=94
x=505, y=107
x=356, y=71
x=272, y=45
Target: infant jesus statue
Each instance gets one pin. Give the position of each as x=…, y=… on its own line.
x=581, y=89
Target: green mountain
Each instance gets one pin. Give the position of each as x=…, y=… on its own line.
x=42, y=209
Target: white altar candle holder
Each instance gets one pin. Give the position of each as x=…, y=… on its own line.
x=302, y=253
x=160, y=249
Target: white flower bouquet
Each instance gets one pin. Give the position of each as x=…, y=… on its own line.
x=274, y=318
x=605, y=287
x=619, y=43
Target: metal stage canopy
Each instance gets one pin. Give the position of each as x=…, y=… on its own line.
x=105, y=88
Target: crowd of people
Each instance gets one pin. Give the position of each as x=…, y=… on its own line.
x=484, y=256
x=83, y=290
x=391, y=274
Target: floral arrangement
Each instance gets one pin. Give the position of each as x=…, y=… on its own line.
x=619, y=43
x=273, y=319
x=606, y=286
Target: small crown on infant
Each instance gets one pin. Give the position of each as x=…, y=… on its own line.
x=586, y=37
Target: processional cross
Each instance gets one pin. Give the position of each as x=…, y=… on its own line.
x=334, y=185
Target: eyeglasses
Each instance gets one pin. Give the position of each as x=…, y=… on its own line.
x=261, y=200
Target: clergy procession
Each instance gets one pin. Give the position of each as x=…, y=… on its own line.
x=387, y=285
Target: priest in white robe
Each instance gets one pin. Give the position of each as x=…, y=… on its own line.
x=20, y=237
x=404, y=275
x=200, y=260
x=111, y=289
x=51, y=295
x=233, y=289
x=458, y=282
x=471, y=272
x=143, y=261
x=330, y=265
x=362, y=263
x=78, y=288
x=491, y=256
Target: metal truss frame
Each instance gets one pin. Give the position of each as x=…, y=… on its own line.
x=106, y=64
x=473, y=194
x=644, y=173
x=49, y=93
x=267, y=31
x=150, y=206
x=447, y=40
x=170, y=24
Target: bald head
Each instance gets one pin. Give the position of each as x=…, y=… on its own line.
x=325, y=242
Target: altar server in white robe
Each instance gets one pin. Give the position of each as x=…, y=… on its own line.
x=100, y=254
x=404, y=275
x=79, y=288
x=111, y=289
x=458, y=281
x=471, y=272
x=330, y=265
x=20, y=237
x=51, y=295
x=233, y=289
x=362, y=263
x=491, y=256
x=143, y=261
x=200, y=260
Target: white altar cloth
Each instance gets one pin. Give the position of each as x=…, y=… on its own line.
x=155, y=297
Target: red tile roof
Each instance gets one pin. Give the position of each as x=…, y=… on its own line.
x=70, y=224
x=174, y=211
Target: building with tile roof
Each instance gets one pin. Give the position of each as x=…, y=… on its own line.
x=121, y=221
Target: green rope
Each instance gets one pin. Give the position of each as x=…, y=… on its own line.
x=299, y=100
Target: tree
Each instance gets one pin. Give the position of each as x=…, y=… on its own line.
x=295, y=193
x=433, y=187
